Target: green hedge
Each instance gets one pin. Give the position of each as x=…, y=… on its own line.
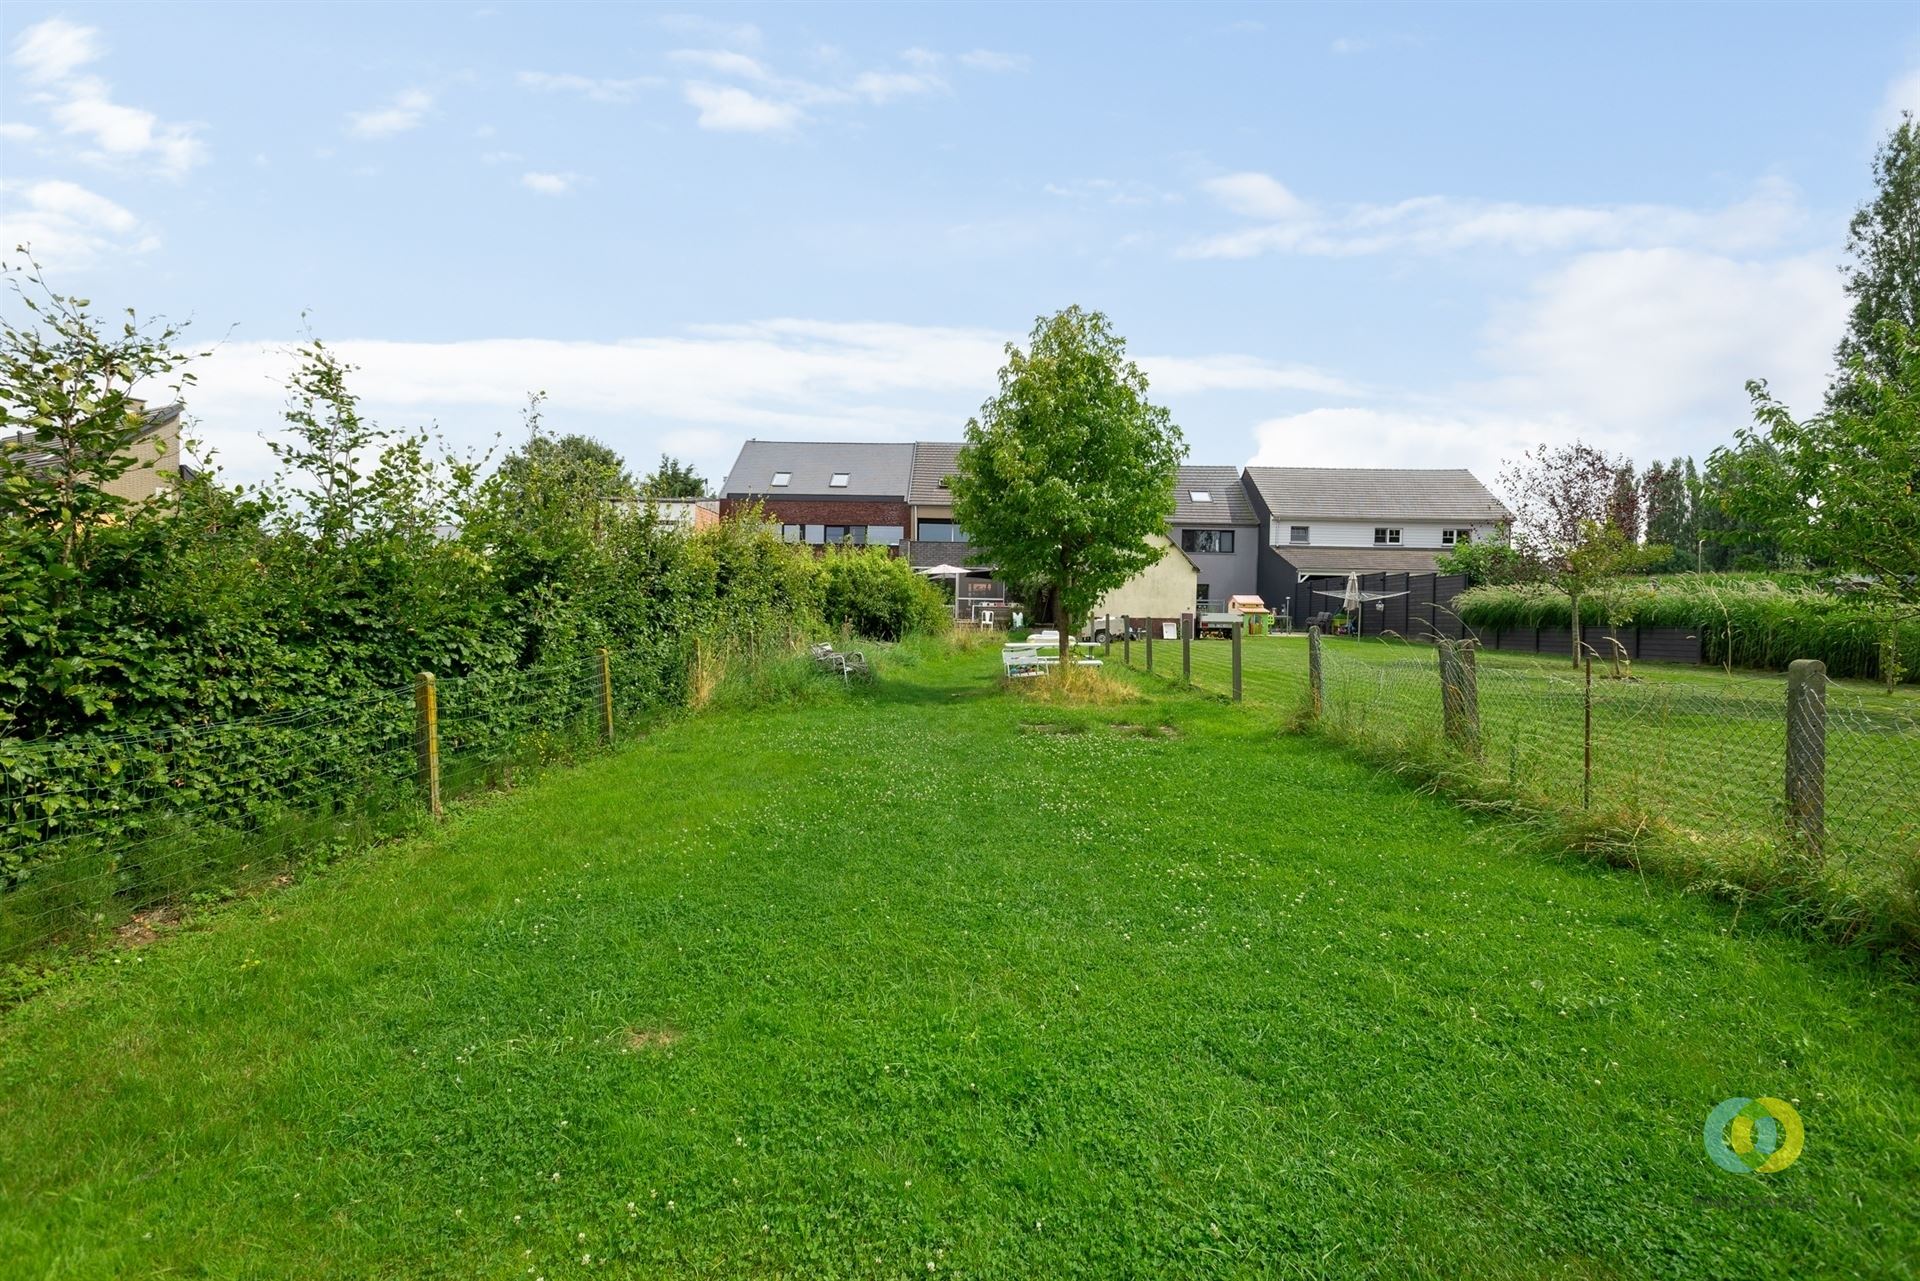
x=1756, y=622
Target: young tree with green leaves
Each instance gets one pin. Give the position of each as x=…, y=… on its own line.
x=1568, y=529
x=673, y=479
x=1842, y=488
x=1883, y=279
x=1069, y=467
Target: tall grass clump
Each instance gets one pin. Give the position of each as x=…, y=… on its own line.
x=1754, y=622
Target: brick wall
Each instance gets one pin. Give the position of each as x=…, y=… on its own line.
x=826, y=511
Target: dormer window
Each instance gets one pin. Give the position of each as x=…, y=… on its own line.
x=782, y=479
x=1200, y=496
x=839, y=480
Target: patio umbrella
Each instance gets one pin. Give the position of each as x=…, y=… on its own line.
x=955, y=572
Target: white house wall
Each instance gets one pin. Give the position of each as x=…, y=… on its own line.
x=1415, y=534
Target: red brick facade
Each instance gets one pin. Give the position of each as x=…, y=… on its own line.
x=826, y=511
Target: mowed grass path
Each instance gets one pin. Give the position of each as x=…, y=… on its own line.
x=897, y=984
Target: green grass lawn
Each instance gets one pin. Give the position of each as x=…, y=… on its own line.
x=1699, y=748
x=934, y=980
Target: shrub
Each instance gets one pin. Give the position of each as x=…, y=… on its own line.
x=1759, y=622
x=878, y=595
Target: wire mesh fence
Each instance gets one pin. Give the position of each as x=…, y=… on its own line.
x=97, y=829
x=1702, y=754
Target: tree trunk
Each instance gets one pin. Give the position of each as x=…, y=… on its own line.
x=1060, y=625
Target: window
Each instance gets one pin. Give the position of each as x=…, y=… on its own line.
x=782, y=478
x=1207, y=540
x=943, y=482
x=839, y=480
x=1386, y=537
x=1455, y=537
x=1200, y=496
x=1204, y=592
x=1299, y=534
x=855, y=534
x=793, y=533
x=885, y=535
x=942, y=531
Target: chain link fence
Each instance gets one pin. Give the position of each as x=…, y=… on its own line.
x=1698, y=757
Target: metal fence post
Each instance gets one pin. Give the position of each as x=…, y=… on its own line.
x=426, y=738
x=1186, y=649
x=1239, y=625
x=606, y=696
x=1316, y=672
x=1106, y=649
x=1807, y=747
x=1126, y=640
x=1586, y=768
x=1149, y=644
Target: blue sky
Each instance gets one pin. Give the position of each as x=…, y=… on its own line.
x=1356, y=235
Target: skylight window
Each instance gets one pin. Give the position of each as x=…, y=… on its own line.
x=1200, y=496
x=839, y=480
x=783, y=478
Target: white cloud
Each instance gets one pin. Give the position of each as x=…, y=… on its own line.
x=550, y=184
x=690, y=24
x=1349, y=44
x=407, y=110
x=1642, y=351
x=64, y=225
x=989, y=60
x=588, y=87
x=1256, y=195
x=1903, y=95
x=49, y=52
x=49, y=55
x=703, y=389
x=1112, y=191
x=723, y=62
x=885, y=86
x=729, y=108
x=1445, y=224
x=14, y=131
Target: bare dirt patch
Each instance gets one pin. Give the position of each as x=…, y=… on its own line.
x=636, y=1040
x=145, y=927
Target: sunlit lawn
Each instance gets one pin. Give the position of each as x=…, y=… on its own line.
x=933, y=980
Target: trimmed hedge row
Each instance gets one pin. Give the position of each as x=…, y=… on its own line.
x=1743, y=622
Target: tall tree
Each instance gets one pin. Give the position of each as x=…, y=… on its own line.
x=1069, y=467
x=1564, y=521
x=1623, y=507
x=1669, y=512
x=1843, y=487
x=673, y=479
x=1883, y=278
x=578, y=466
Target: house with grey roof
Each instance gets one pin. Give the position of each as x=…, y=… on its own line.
x=1329, y=522
x=1215, y=524
x=825, y=492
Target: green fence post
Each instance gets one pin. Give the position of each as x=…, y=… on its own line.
x=1239, y=625
x=1316, y=672
x=1186, y=648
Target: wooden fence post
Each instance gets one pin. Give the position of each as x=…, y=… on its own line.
x=426, y=738
x=1239, y=625
x=1460, y=695
x=1126, y=640
x=1807, y=748
x=1316, y=672
x=1149, y=644
x=1186, y=649
x=606, y=696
